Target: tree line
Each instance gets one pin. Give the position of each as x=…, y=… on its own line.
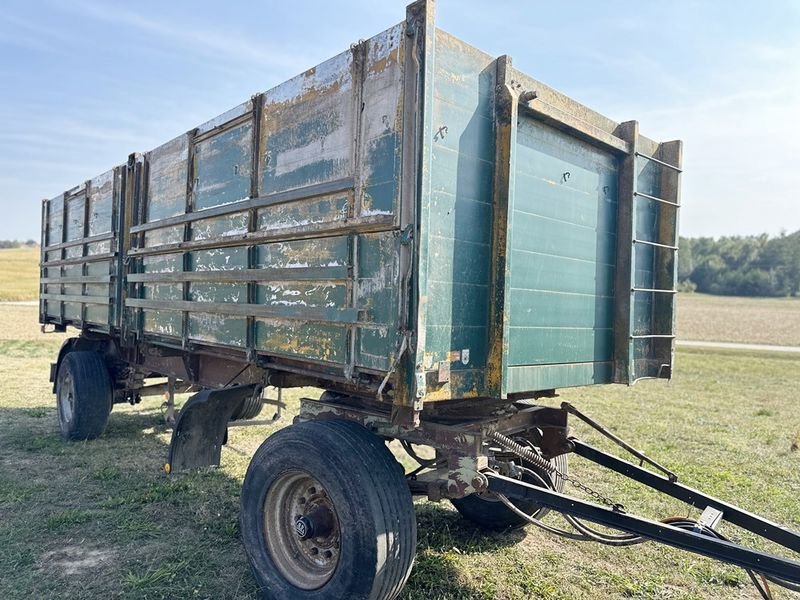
x=17, y=243
x=755, y=265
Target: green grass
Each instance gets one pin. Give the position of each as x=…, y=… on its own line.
x=101, y=520
x=19, y=274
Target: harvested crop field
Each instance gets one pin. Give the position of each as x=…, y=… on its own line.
x=745, y=320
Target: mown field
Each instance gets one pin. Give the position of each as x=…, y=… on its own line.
x=101, y=520
x=745, y=320
x=19, y=273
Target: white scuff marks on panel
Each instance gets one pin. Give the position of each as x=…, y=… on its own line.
x=383, y=44
x=228, y=115
x=333, y=146
x=374, y=212
x=286, y=222
x=382, y=280
x=336, y=69
x=381, y=112
x=296, y=265
x=102, y=180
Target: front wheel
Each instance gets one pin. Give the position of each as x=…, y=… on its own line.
x=326, y=513
x=488, y=512
x=84, y=395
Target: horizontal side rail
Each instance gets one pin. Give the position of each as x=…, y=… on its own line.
x=360, y=225
x=301, y=313
x=654, y=290
x=657, y=199
x=565, y=121
x=103, y=237
x=287, y=274
x=80, y=279
x=79, y=260
x=657, y=336
x=309, y=192
x=733, y=514
x=656, y=244
x=103, y=300
x=659, y=162
x=683, y=539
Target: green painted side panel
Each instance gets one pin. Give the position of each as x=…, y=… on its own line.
x=377, y=293
x=101, y=204
x=168, y=167
x=459, y=216
x=315, y=341
x=550, y=377
x=315, y=211
x=216, y=328
x=562, y=232
x=298, y=254
x=163, y=322
x=223, y=164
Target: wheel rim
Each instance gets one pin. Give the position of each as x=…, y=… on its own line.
x=66, y=399
x=301, y=530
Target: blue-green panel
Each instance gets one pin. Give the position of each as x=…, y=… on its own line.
x=547, y=377
x=307, y=127
x=562, y=239
x=459, y=216
x=315, y=341
x=164, y=322
x=168, y=167
x=223, y=164
x=555, y=345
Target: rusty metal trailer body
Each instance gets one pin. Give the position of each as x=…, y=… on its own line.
x=422, y=230
x=412, y=210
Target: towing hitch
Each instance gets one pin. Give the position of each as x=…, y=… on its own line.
x=699, y=536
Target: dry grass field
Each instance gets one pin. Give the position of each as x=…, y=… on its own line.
x=101, y=520
x=745, y=320
x=19, y=273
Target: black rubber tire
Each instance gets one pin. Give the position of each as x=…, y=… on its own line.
x=84, y=395
x=378, y=528
x=490, y=513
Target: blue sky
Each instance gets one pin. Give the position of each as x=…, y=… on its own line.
x=85, y=82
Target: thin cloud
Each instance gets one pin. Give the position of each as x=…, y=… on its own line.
x=216, y=44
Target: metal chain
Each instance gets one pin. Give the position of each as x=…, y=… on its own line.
x=615, y=506
x=544, y=464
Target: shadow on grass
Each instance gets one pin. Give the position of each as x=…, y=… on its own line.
x=84, y=518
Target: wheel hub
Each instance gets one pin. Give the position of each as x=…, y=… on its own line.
x=301, y=530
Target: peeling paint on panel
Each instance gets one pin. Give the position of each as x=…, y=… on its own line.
x=168, y=165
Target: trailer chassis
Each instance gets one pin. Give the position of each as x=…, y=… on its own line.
x=464, y=465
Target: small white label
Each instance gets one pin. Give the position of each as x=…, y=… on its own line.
x=465, y=356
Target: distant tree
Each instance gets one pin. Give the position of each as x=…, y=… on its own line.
x=741, y=265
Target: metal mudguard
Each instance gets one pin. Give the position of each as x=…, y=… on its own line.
x=201, y=428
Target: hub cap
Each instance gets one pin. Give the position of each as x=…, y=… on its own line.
x=66, y=400
x=301, y=530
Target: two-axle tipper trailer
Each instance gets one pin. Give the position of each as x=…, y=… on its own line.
x=432, y=236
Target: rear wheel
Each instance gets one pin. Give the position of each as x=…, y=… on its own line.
x=326, y=513
x=83, y=395
x=487, y=511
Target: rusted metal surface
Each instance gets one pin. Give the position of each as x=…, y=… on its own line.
x=459, y=433
x=357, y=228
